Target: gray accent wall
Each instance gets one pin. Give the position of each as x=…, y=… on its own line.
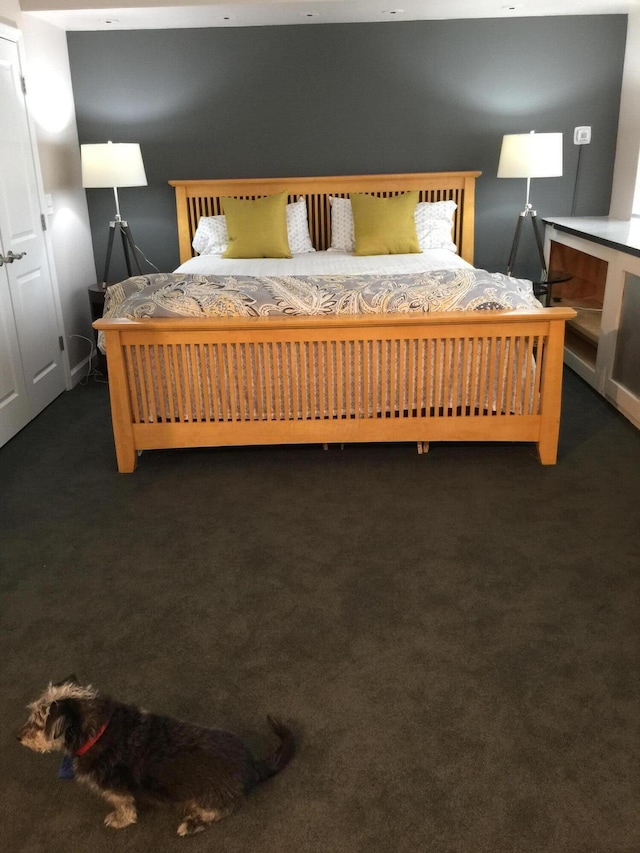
x=352, y=99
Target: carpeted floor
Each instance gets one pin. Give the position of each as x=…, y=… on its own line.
x=454, y=637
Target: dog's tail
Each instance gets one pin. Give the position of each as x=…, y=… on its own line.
x=277, y=760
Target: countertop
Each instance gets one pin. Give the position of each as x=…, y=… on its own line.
x=621, y=234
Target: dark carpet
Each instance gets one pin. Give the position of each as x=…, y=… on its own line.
x=453, y=637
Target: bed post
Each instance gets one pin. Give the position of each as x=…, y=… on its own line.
x=184, y=225
x=551, y=393
x=120, y=406
x=467, y=213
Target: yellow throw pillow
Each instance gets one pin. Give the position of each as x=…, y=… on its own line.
x=385, y=226
x=257, y=228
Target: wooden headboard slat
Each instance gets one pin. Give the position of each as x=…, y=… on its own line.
x=204, y=198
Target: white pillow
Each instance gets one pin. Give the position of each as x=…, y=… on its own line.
x=434, y=222
x=298, y=228
x=343, y=236
x=211, y=237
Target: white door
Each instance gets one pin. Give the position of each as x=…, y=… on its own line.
x=31, y=365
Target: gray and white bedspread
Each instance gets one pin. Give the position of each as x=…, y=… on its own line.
x=189, y=295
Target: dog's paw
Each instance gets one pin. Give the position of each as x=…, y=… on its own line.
x=190, y=827
x=119, y=819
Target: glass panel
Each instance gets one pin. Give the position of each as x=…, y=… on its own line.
x=626, y=365
x=581, y=283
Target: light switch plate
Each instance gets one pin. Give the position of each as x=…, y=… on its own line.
x=582, y=136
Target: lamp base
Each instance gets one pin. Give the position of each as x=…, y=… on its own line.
x=527, y=213
x=122, y=227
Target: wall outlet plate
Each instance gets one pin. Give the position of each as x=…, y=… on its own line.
x=582, y=136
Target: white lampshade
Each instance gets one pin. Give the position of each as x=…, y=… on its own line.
x=531, y=155
x=112, y=164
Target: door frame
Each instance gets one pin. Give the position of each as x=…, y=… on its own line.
x=13, y=34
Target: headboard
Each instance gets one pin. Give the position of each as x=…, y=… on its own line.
x=203, y=198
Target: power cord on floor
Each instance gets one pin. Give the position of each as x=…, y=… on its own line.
x=92, y=372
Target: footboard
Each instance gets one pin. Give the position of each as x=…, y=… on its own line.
x=459, y=376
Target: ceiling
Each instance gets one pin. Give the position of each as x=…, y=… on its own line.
x=167, y=14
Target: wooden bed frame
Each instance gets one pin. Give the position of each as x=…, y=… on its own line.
x=282, y=380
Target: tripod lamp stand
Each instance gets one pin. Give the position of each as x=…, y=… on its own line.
x=115, y=165
x=530, y=155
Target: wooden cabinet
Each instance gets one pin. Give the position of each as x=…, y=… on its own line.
x=602, y=344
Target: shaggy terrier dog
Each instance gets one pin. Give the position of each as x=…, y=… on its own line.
x=126, y=755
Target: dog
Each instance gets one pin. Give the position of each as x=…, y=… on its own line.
x=128, y=755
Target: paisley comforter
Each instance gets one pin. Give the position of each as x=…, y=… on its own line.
x=190, y=295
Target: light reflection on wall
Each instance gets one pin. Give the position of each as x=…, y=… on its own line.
x=71, y=237
x=64, y=217
x=504, y=101
x=50, y=98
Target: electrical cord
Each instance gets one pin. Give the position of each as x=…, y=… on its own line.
x=575, y=183
x=144, y=257
x=92, y=372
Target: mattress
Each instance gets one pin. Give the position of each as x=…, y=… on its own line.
x=330, y=262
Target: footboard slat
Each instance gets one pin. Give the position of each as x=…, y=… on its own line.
x=167, y=393
x=449, y=389
x=504, y=355
x=375, y=376
x=521, y=360
x=352, y=379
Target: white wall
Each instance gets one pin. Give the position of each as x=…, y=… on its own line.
x=628, y=148
x=50, y=100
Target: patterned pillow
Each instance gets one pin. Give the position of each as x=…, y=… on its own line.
x=298, y=228
x=211, y=237
x=343, y=237
x=434, y=223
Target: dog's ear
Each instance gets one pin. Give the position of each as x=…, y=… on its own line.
x=65, y=721
x=70, y=679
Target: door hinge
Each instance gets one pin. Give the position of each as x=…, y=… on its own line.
x=23, y=83
x=61, y=342
x=43, y=221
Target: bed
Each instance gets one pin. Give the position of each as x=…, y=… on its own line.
x=330, y=348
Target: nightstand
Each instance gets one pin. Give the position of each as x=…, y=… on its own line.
x=97, y=295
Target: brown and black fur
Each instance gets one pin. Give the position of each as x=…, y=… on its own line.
x=149, y=757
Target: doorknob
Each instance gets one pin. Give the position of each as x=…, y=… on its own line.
x=11, y=257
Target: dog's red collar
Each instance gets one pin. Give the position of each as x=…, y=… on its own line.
x=92, y=741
